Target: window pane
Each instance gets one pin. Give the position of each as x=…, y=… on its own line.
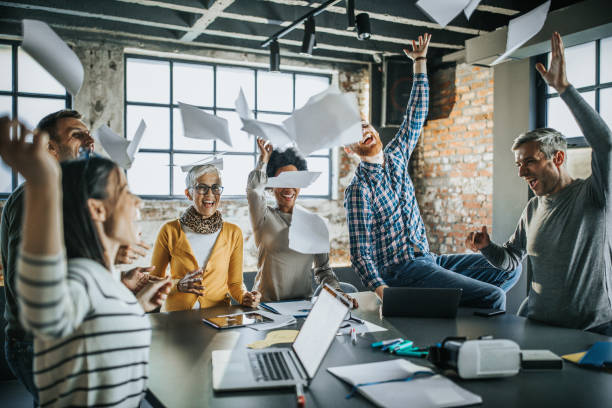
x=321, y=186
x=579, y=162
x=229, y=81
x=274, y=91
x=235, y=173
x=150, y=174
x=184, y=143
x=6, y=68
x=32, y=77
x=148, y=81
x=32, y=110
x=6, y=105
x=308, y=85
x=157, y=135
x=179, y=160
x=242, y=141
x=193, y=84
x=560, y=118
x=605, y=105
x=605, y=60
x=580, y=65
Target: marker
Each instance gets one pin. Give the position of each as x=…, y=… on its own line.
x=411, y=353
x=353, y=335
x=385, y=342
x=388, y=346
x=299, y=393
x=401, y=346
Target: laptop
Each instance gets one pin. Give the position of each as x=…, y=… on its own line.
x=278, y=367
x=421, y=302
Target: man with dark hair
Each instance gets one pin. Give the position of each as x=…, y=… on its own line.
x=387, y=236
x=565, y=229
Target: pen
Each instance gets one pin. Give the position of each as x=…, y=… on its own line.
x=356, y=319
x=388, y=346
x=385, y=342
x=411, y=353
x=353, y=335
x=401, y=346
x=299, y=392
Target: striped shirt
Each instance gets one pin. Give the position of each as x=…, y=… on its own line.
x=91, y=336
x=381, y=208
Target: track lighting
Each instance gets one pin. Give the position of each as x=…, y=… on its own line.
x=308, y=42
x=350, y=14
x=364, y=30
x=274, y=56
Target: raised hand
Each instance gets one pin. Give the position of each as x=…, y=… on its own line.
x=265, y=149
x=251, y=299
x=135, y=279
x=192, y=283
x=128, y=253
x=418, y=49
x=555, y=76
x=478, y=240
x=154, y=293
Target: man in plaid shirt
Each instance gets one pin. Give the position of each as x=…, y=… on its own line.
x=388, y=242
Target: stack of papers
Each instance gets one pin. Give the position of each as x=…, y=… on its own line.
x=434, y=391
x=297, y=308
x=278, y=321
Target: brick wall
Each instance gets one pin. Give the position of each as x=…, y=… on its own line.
x=452, y=166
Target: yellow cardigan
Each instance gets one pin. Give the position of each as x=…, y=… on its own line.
x=222, y=275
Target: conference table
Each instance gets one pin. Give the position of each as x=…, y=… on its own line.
x=181, y=369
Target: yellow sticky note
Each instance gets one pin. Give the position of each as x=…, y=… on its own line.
x=575, y=357
x=275, y=337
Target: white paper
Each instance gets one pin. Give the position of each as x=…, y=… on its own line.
x=433, y=391
x=198, y=124
x=470, y=8
x=308, y=232
x=120, y=150
x=297, y=308
x=48, y=49
x=275, y=134
x=278, y=321
x=216, y=161
x=293, y=179
x=442, y=11
x=242, y=106
x=333, y=120
x=521, y=29
x=366, y=327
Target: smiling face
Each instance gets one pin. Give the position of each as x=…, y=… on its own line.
x=123, y=209
x=285, y=197
x=543, y=175
x=72, y=137
x=370, y=143
x=205, y=204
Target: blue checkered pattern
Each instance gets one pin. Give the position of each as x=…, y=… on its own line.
x=382, y=211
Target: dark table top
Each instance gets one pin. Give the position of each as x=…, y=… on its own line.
x=181, y=369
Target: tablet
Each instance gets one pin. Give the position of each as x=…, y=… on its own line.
x=236, y=320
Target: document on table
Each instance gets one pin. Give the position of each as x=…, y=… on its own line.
x=295, y=308
x=198, y=124
x=293, y=179
x=120, y=150
x=442, y=11
x=278, y=321
x=434, y=391
x=308, y=232
x=48, y=49
x=360, y=328
x=522, y=28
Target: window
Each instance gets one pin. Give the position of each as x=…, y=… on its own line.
x=29, y=92
x=152, y=92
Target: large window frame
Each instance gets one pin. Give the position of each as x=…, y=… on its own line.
x=15, y=94
x=173, y=107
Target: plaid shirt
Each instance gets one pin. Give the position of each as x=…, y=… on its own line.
x=382, y=211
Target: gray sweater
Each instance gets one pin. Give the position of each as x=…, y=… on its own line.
x=566, y=238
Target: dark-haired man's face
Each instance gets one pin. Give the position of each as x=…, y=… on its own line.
x=370, y=143
x=72, y=137
x=541, y=174
x=285, y=197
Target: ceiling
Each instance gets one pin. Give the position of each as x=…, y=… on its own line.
x=242, y=25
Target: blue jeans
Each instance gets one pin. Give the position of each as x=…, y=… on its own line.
x=19, y=355
x=483, y=284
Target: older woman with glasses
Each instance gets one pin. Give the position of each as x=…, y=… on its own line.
x=204, y=252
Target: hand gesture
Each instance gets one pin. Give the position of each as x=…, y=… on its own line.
x=478, y=240
x=32, y=160
x=420, y=49
x=135, y=279
x=128, y=253
x=379, y=291
x=555, y=75
x=154, y=293
x=251, y=299
x=351, y=299
x=192, y=283
x=265, y=149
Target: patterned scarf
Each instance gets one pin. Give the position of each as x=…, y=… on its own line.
x=193, y=219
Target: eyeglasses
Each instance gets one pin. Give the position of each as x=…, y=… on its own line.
x=203, y=189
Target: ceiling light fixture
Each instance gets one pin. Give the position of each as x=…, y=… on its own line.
x=350, y=14
x=364, y=30
x=274, y=57
x=309, y=40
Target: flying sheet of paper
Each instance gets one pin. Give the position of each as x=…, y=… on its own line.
x=275, y=134
x=293, y=179
x=470, y=8
x=442, y=11
x=214, y=160
x=120, y=150
x=48, y=49
x=242, y=106
x=198, y=124
x=308, y=233
x=330, y=121
x=522, y=28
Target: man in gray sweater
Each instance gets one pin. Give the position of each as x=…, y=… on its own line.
x=565, y=230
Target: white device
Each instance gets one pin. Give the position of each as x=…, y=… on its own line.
x=488, y=359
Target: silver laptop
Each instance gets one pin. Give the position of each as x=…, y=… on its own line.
x=283, y=367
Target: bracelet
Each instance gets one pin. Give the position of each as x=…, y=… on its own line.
x=420, y=59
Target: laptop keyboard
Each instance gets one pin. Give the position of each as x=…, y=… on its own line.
x=270, y=366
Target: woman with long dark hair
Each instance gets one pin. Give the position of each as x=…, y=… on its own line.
x=91, y=336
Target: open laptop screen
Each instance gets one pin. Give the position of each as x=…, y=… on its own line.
x=319, y=331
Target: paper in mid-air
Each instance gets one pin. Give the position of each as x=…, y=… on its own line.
x=442, y=11
x=293, y=179
x=216, y=160
x=469, y=9
x=198, y=124
x=120, y=150
x=50, y=51
x=308, y=232
x=522, y=29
